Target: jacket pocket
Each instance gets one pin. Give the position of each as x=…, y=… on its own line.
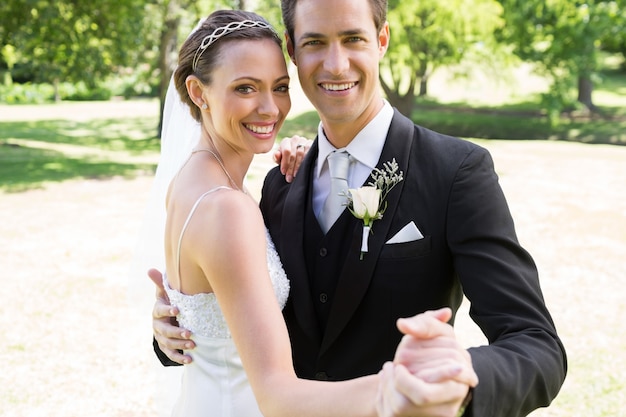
x=414, y=249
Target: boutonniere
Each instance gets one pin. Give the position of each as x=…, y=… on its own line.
x=368, y=202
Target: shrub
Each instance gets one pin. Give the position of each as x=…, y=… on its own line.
x=26, y=93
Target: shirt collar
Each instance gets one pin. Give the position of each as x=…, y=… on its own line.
x=366, y=146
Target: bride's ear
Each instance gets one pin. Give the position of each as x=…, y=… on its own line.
x=195, y=90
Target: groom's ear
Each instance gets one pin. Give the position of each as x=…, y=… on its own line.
x=290, y=48
x=195, y=90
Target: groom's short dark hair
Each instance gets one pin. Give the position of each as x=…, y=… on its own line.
x=288, y=8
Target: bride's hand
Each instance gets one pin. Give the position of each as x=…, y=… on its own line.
x=290, y=154
x=401, y=394
x=430, y=350
x=171, y=338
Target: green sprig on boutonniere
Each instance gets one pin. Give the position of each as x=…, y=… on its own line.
x=368, y=202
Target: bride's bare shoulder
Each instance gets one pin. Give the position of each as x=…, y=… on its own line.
x=230, y=209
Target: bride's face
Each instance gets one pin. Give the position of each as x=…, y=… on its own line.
x=248, y=97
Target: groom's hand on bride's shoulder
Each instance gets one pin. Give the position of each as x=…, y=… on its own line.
x=170, y=338
x=290, y=153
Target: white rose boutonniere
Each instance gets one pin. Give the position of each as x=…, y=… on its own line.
x=368, y=202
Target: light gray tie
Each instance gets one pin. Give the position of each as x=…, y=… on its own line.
x=338, y=165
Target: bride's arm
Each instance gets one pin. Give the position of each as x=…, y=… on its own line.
x=233, y=257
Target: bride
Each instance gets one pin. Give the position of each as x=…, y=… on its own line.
x=222, y=271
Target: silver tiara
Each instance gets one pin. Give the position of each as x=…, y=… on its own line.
x=225, y=30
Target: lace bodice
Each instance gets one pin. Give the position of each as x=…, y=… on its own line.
x=201, y=314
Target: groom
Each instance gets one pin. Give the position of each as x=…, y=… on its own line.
x=447, y=230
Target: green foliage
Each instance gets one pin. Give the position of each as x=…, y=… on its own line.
x=426, y=35
x=614, y=39
x=564, y=38
x=270, y=9
x=138, y=82
x=26, y=93
x=487, y=123
x=73, y=41
x=304, y=124
x=82, y=92
x=45, y=93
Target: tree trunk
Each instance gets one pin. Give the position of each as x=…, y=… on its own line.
x=8, y=80
x=405, y=103
x=168, y=49
x=585, y=91
x=57, y=93
x=423, y=86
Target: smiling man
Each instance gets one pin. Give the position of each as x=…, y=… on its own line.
x=343, y=310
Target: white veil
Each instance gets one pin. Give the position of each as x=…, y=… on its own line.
x=179, y=134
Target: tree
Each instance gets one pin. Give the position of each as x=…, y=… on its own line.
x=563, y=38
x=429, y=34
x=171, y=13
x=614, y=40
x=72, y=41
x=270, y=9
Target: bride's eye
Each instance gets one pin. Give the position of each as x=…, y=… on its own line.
x=245, y=89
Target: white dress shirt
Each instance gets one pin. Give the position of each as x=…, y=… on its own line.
x=365, y=149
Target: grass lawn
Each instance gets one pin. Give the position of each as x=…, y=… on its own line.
x=34, y=152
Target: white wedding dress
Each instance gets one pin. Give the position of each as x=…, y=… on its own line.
x=215, y=383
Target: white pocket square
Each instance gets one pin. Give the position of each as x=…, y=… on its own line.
x=408, y=233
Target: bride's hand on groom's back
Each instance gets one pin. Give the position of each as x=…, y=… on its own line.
x=171, y=338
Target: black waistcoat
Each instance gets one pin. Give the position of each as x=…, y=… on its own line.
x=324, y=256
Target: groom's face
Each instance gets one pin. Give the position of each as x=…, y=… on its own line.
x=337, y=50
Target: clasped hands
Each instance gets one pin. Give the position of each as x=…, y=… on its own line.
x=431, y=374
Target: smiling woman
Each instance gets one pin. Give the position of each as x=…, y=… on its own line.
x=222, y=271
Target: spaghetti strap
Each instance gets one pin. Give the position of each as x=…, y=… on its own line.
x=191, y=212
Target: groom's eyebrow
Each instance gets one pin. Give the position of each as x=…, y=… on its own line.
x=343, y=33
x=256, y=80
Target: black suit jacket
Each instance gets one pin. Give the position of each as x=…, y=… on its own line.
x=451, y=193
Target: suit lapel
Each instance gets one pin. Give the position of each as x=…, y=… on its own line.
x=357, y=274
x=292, y=246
